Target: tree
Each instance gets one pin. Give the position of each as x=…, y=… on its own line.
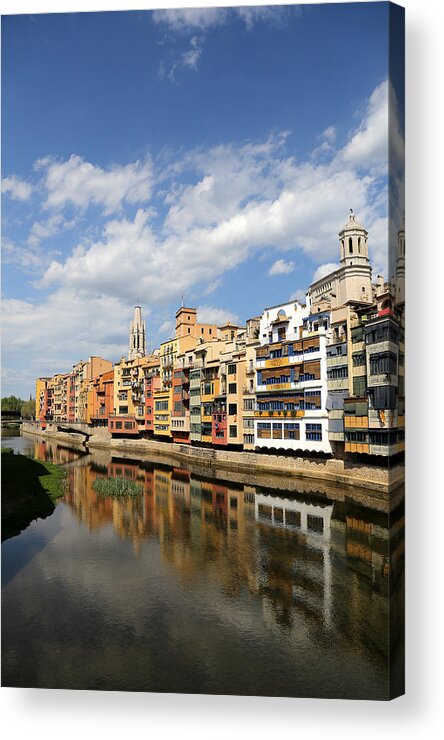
x=11, y=403
x=28, y=409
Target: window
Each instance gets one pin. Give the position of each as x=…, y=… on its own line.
x=231, y=370
x=315, y=524
x=383, y=397
x=350, y=245
x=383, y=363
x=313, y=432
x=357, y=334
x=249, y=404
x=118, y=425
x=293, y=518
x=291, y=431
x=232, y=409
x=335, y=373
x=381, y=333
x=129, y=425
x=277, y=431
x=263, y=430
x=232, y=388
x=357, y=436
x=161, y=405
x=360, y=386
x=233, y=431
x=123, y=409
x=358, y=359
x=210, y=331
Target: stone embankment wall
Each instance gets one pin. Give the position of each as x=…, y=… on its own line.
x=279, y=470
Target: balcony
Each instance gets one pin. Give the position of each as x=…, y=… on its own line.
x=288, y=415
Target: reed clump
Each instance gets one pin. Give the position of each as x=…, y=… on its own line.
x=118, y=487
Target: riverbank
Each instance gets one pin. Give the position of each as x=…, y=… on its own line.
x=30, y=489
x=357, y=480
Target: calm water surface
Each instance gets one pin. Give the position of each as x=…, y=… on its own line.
x=198, y=585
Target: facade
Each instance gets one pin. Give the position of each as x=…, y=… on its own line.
x=44, y=399
x=152, y=385
x=129, y=395
x=102, y=399
x=291, y=380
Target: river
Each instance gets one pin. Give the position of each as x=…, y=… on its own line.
x=200, y=585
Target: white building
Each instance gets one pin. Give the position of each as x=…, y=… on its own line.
x=291, y=380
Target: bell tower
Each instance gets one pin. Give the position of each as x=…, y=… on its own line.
x=137, y=336
x=353, y=243
x=400, y=266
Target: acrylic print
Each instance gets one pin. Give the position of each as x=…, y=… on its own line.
x=203, y=349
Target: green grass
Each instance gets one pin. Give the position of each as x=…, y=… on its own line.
x=118, y=487
x=30, y=489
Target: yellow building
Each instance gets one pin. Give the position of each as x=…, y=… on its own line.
x=162, y=412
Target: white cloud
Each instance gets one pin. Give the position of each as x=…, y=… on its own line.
x=203, y=19
x=243, y=198
x=280, y=267
x=185, y=60
x=219, y=316
x=80, y=183
x=29, y=258
x=16, y=188
x=329, y=134
x=45, y=229
x=299, y=295
x=183, y=19
x=222, y=205
x=57, y=332
x=368, y=147
x=324, y=270
x=166, y=329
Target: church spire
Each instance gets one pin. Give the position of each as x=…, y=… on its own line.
x=137, y=336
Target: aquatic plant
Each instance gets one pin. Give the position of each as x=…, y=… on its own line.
x=118, y=487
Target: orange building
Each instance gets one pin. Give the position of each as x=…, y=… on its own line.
x=102, y=398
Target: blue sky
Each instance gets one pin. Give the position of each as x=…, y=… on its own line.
x=211, y=151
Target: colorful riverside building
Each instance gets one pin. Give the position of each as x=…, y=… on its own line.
x=102, y=399
x=365, y=368
x=291, y=380
x=171, y=400
x=128, y=416
x=44, y=400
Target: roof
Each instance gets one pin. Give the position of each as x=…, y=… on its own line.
x=352, y=224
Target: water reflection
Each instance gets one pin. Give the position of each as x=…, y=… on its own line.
x=303, y=582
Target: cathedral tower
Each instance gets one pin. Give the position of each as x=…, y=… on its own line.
x=137, y=336
x=400, y=267
x=353, y=239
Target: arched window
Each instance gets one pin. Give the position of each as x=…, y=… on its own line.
x=359, y=244
x=350, y=245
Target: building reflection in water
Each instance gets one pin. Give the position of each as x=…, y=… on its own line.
x=313, y=563
x=323, y=573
